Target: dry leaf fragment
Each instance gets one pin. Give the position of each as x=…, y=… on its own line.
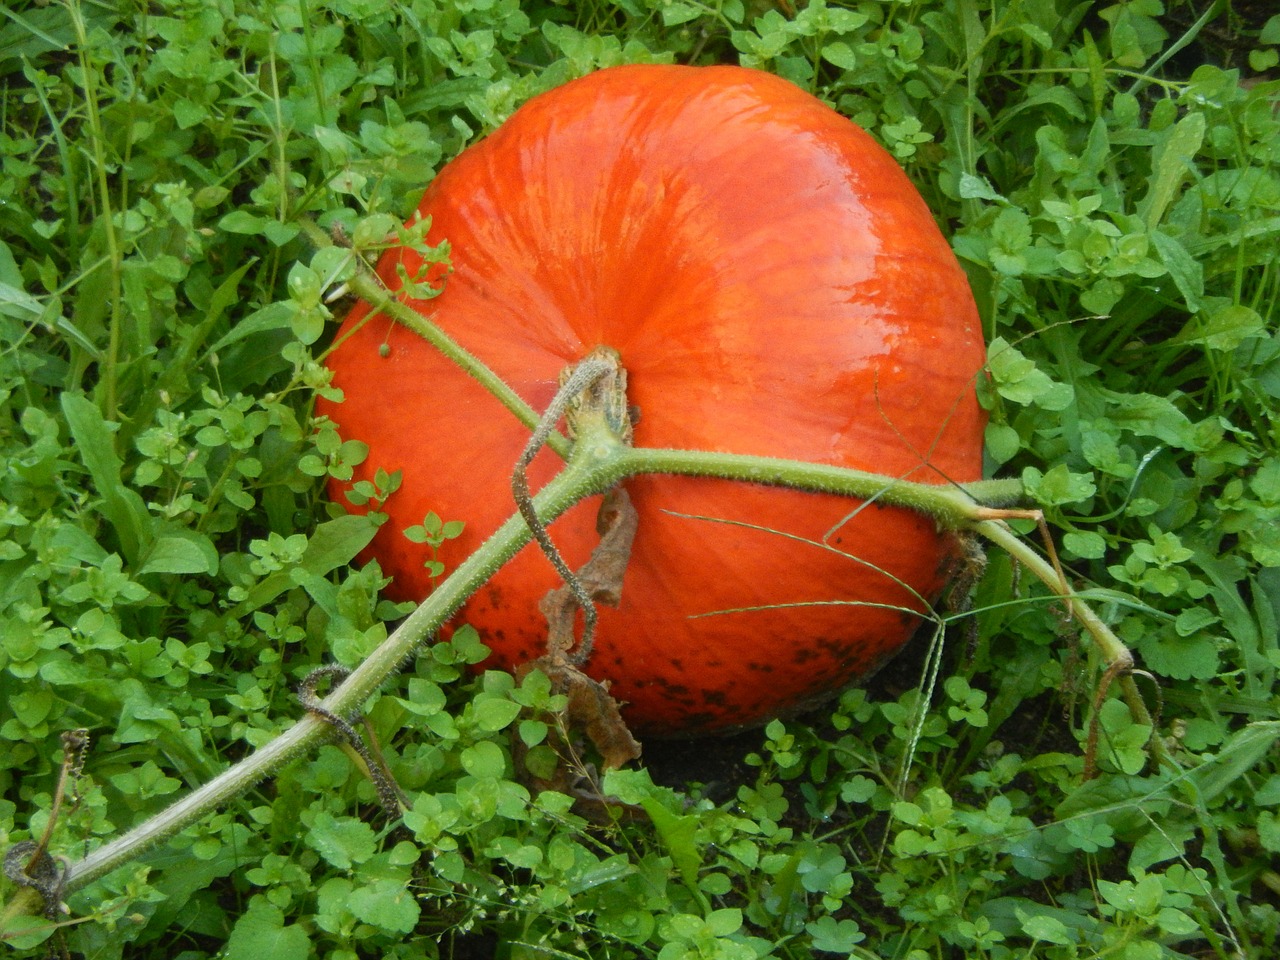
x=601, y=576
x=590, y=708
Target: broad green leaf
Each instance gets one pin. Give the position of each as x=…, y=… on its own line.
x=1224, y=329
x=1149, y=415
x=484, y=759
x=1124, y=742
x=494, y=714
x=1174, y=153
x=725, y=921
x=677, y=833
x=1044, y=928
x=274, y=316
x=1085, y=544
x=834, y=936
x=1237, y=757
x=840, y=54
x=95, y=443
x=1186, y=272
x=387, y=904
x=261, y=934
x=343, y=842
x=180, y=553
x=973, y=187
x=1058, y=486
x=241, y=221
x=1002, y=441
x=336, y=542
x=1269, y=831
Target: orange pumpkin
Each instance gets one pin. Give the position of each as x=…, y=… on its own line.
x=775, y=286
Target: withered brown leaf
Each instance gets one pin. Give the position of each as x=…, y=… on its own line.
x=601, y=576
x=590, y=707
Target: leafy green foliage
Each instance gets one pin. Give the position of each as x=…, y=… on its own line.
x=169, y=568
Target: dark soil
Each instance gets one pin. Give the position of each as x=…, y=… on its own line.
x=716, y=765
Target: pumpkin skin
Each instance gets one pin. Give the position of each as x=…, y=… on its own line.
x=774, y=286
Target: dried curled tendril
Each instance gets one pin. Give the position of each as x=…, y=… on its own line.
x=389, y=795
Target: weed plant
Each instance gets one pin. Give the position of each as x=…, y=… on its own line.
x=170, y=567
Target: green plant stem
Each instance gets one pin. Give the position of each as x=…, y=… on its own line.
x=579, y=479
x=1109, y=645
x=369, y=288
x=600, y=458
x=954, y=506
x=1116, y=656
x=110, y=373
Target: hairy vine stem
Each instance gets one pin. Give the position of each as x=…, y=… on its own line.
x=599, y=460
x=598, y=456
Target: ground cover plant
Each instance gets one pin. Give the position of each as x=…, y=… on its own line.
x=171, y=570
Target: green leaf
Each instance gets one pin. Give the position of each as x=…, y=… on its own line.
x=280, y=233
x=274, y=316
x=241, y=221
x=1044, y=928
x=834, y=936
x=677, y=833
x=17, y=303
x=494, y=714
x=25, y=932
x=1058, y=486
x=1148, y=415
x=1174, y=154
x=724, y=922
x=1269, y=831
x=1237, y=757
x=1002, y=441
x=978, y=188
x=840, y=54
x=1185, y=271
x=676, y=13
x=1157, y=847
x=261, y=934
x=1018, y=379
x=1124, y=742
x=95, y=443
x=337, y=542
x=387, y=904
x=1085, y=544
x=186, y=552
x=485, y=760
x=1183, y=658
x=1224, y=329
x=343, y=842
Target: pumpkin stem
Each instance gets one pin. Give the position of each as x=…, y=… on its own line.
x=595, y=386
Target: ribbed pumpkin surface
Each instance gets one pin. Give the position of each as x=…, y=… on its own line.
x=775, y=286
